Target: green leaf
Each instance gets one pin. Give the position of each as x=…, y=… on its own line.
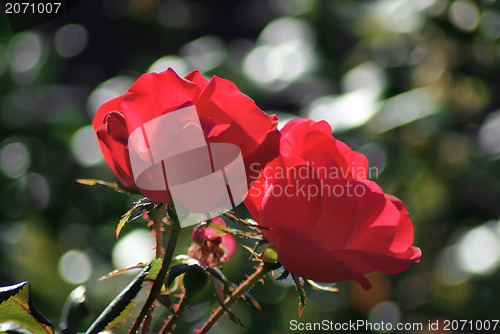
x=251, y=250
x=235, y=319
x=123, y=221
x=17, y=306
x=247, y=222
x=194, y=281
x=140, y=204
x=221, y=230
x=73, y=311
x=302, y=293
x=113, y=185
x=117, y=272
x=151, y=276
x=176, y=271
x=119, y=309
x=154, y=270
x=317, y=286
x=13, y=328
x=270, y=266
x=284, y=274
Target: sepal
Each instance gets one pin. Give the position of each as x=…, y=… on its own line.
x=16, y=306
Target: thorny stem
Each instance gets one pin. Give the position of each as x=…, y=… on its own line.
x=157, y=217
x=172, y=320
x=240, y=290
x=162, y=274
x=147, y=321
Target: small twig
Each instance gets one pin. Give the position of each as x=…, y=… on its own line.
x=240, y=290
x=243, y=221
x=146, y=326
x=172, y=320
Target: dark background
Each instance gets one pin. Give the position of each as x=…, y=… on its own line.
x=411, y=84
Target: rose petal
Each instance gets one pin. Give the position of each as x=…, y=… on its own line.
x=301, y=256
x=228, y=244
x=267, y=151
x=155, y=94
x=222, y=101
x=366, y=262
x=304, y=135
x=115, y=152
x=404, y=235
x=116, y=127
x=291, y=202
x=197, y=78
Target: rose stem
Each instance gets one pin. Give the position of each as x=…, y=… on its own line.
x=147, y=322
x=241, y=289
x=162, y=274
x=172, y=320
x=157, y=218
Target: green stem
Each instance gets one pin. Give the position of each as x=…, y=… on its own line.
x=157, y=217
x=172, y=320
x=240, y=290
x=147, y=321
x=162, y=274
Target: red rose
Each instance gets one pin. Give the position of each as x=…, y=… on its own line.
x=225, y=114
x=327, y=221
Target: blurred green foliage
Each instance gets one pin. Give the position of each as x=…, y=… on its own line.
x=410, y=83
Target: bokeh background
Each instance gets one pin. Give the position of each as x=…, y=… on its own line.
x=412, y=84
